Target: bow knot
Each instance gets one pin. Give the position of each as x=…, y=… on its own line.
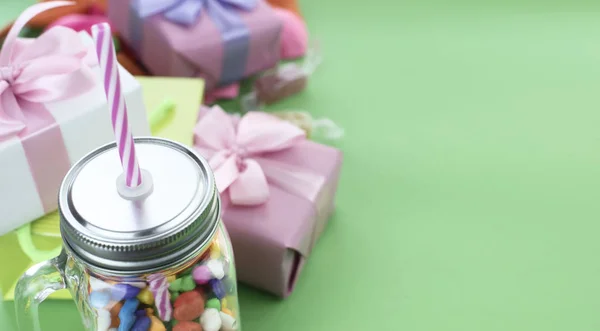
x=53, y=67
x=9, y=73
x=239, y=153
x=186, y=12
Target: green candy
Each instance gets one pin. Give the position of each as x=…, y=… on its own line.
x=174, y=295
x=176, y=285
x=187, y=284
x=213, y=303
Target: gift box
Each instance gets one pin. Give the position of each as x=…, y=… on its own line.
x=277, y=190
x=53, y=111
x=221, y=41
x=41, y=239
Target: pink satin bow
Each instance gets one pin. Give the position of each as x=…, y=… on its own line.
x=52, y=67
x=239, y=153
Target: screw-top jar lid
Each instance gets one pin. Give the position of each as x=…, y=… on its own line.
x=122, y=236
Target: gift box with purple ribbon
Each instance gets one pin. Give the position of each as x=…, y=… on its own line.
x=221, y=41
x=277, y=190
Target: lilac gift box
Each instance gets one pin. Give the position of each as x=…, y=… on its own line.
x=273, y=240
x=221, y=41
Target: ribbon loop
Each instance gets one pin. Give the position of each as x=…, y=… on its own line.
x=187, y=12
x=251, y=188
x=49, y=68
x=239, y=155
x=242, y=4
x=260, y=132
x=147, y=8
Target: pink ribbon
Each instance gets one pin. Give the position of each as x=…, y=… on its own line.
x=53, y=67
x=240, y=153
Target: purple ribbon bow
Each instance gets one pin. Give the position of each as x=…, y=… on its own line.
x=236, y=36
x=186, y=12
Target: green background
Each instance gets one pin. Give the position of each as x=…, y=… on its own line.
x=469, y=195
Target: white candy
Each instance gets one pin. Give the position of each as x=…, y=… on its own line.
x=103, y=321
x=228, y=323
x=98, y=285
x=210, y=320
x=216, y=268
x=113, y=329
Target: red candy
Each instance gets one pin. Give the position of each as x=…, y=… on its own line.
x=187, y=326
x=188, y=306
x=187, y=297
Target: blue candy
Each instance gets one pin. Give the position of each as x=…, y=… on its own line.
x=218, y=288
x=129, y=307
x=99, y=299
x=123, y=292
x=141, y=312
x=142, y=324
x=126, y=322
x=126, y=315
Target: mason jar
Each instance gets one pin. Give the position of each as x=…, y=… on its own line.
x=164, y=262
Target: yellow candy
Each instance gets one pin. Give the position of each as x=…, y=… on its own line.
x=149, y=311
x=215, y=251
x=145, y=296
x=224, y=303
x=171, y=278
x=156, y=324
x=230, y=301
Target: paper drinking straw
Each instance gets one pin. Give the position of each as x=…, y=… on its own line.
x=116, y=102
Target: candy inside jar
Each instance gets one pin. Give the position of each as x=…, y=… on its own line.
x=200, y=296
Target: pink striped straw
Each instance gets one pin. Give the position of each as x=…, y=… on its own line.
x=116, y=102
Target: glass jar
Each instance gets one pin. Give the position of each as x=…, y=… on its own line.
x=162, y=262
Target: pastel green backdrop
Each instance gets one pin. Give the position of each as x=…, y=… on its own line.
x=469, y=195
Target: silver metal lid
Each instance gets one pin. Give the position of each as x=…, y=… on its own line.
x=123, y=236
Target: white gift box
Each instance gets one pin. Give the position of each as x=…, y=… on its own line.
x=85, y=124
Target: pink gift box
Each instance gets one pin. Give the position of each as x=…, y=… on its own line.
x=221, y=50
x=273, y=240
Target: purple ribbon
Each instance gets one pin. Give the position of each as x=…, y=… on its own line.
x=235, y=34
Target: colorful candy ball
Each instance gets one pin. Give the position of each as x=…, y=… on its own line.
x=216, y=268
x=202, y=274
x=210, y=320
x=188, y=306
